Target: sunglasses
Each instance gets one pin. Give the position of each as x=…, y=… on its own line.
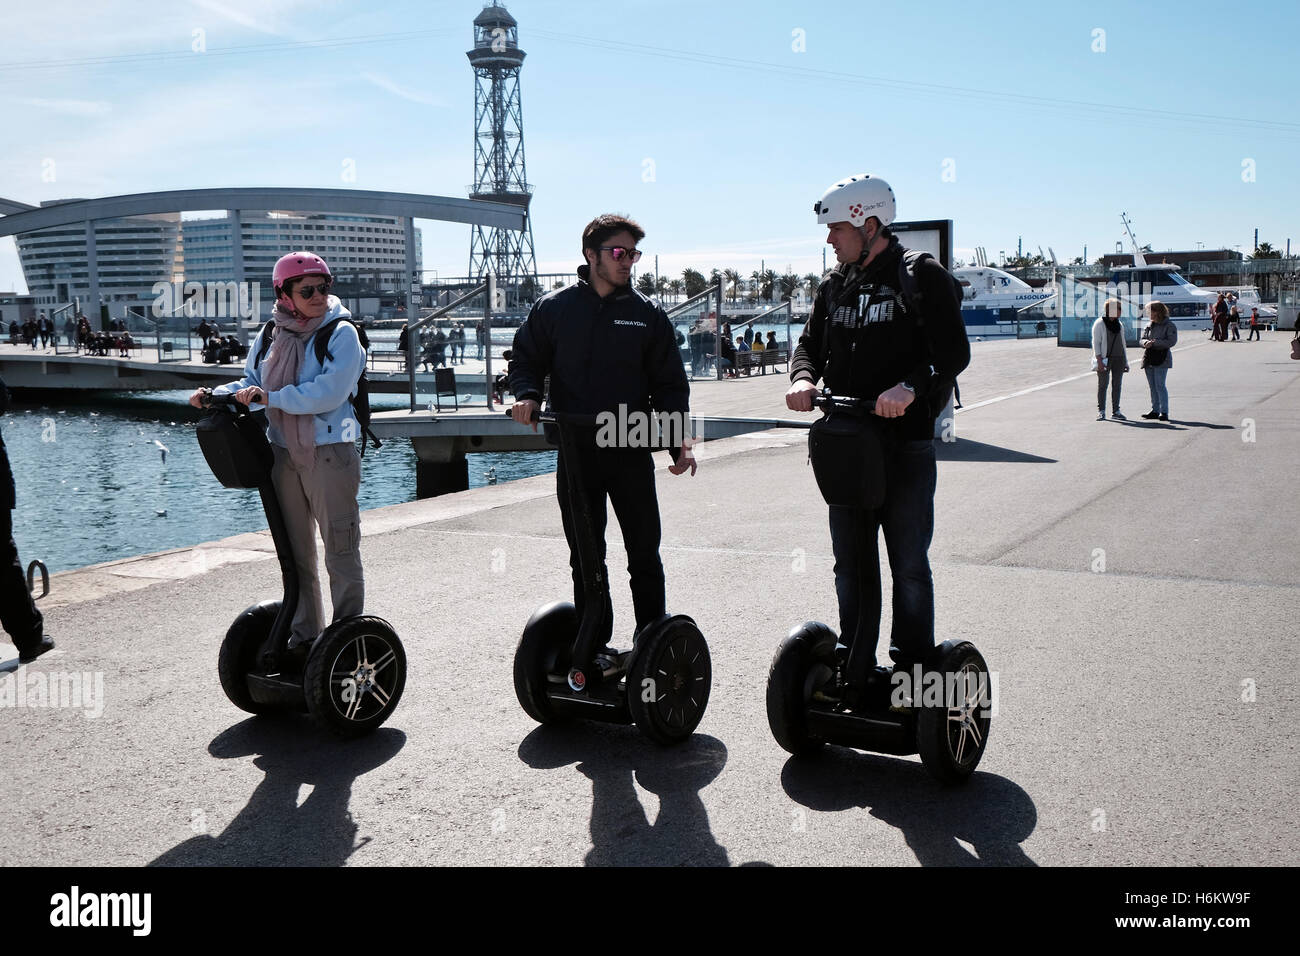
x=309, y=291
x=619, y=253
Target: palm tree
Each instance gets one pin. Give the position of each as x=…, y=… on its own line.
x=812, y=281
x=1266, y=251
x=732, y=276
x=789, y=284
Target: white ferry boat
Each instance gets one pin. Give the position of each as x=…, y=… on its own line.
x=992, y=299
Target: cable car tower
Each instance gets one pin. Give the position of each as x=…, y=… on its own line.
x=499, y=174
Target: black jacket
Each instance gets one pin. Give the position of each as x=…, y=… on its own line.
x=599, y=353
x=874, y=343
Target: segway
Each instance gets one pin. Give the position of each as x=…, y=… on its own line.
x=355, y=672
x=820, y=692
x=561, y=671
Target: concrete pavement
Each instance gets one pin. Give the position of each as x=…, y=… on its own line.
x=1131, y=584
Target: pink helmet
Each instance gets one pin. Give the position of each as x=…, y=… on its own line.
x=292, y=266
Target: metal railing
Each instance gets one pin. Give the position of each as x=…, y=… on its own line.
x=60, y=318
x=1249, y=267
x=172, y=333
x=488, y=291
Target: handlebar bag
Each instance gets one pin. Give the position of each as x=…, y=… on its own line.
x=847, y=459
x=236, y=448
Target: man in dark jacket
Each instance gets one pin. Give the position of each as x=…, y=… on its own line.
x=18, y=612
x=865, y=339
x=611, y=354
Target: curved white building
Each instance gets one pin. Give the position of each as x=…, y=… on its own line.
x=131, y=255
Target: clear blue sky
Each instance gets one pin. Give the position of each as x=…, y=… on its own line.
x=1043, y=134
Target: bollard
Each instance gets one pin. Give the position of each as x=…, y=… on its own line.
x=45, y=578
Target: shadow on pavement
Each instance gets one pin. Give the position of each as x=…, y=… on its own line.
x=989, y=812
x=965, y=450
x=611, y=757
x=1175, y=424
x=1218, y=426
x=273, y=830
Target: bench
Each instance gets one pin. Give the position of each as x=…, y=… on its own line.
x=768, y=358
x=386, y=356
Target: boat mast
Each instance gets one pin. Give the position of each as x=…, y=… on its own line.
x=1138, y=258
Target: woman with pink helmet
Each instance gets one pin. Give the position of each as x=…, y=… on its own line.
x=313, y=429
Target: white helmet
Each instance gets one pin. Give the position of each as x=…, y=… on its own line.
x=856, y=199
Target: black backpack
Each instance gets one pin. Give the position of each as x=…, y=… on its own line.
x=913, y=299
x=361, y=401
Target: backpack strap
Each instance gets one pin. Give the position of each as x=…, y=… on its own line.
x=321, y=341
x=268, y=331
x=907, y=284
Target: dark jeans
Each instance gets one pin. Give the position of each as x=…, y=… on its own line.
x=18, y=612
x=627, y=478
x=907, y=517
x=1116, y=376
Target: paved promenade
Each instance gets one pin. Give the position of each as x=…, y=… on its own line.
x=1133, y=585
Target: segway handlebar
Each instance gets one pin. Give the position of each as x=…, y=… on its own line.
x=227, y=402
x=824, y=399
x=564, y=418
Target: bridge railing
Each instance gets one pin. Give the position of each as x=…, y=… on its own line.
x=65, y=344
x=172, y=339
x=418, y=353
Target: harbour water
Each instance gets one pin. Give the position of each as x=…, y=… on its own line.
x=93, y=485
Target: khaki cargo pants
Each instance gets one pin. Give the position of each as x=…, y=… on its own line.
x=325, y=496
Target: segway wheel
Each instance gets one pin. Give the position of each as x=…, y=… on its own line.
x=238, y=655
x=803, y=663
x=543, y=650
x=951, y=734
x=668, y=680
x=355, y=676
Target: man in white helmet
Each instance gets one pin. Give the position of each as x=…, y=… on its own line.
x=886, y=326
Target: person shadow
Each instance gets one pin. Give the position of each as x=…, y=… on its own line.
x=988, y=813
x=612, y=758
x=274, y=829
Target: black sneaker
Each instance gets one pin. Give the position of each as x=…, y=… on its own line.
x=1163, y=417
x=1118, y=416
x=1152, y=414
x=1101, y=415
x=46, y=644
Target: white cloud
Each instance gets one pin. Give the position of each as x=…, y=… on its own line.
x=384, y=83
x=238, y=16
x=68, y=106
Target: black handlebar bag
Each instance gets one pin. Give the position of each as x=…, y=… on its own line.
x=236, y=448
x=847, y=455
